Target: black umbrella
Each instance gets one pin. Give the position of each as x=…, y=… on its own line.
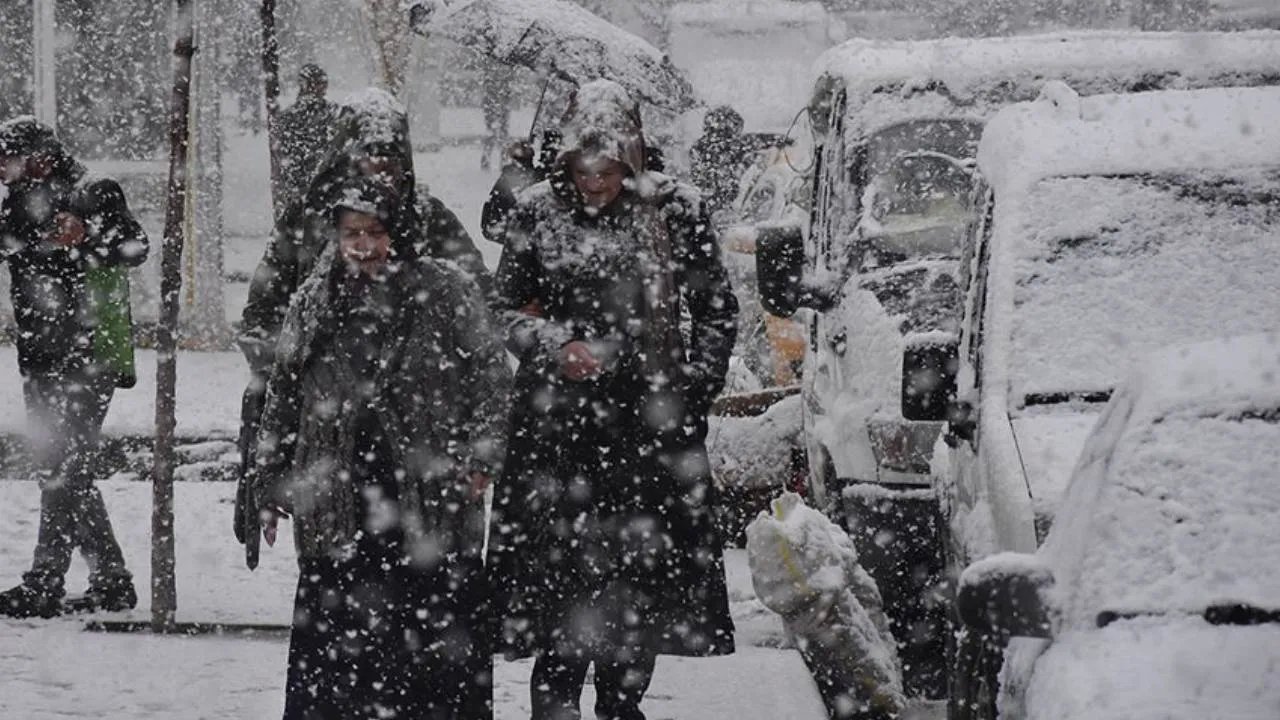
x=558, y=38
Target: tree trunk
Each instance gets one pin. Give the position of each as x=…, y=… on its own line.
x=164, y=594
x=271, y=91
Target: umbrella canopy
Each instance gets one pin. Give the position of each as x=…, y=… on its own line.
x=559, y=38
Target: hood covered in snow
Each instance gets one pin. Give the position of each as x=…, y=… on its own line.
x=604, y=120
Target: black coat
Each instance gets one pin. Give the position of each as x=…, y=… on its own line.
x=604, y=536
x=441, y=390
x=306, y=130
x=51, y=304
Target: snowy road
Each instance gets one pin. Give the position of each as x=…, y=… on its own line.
x=53, y=669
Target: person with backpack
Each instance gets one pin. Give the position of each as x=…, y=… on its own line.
x=67, y=241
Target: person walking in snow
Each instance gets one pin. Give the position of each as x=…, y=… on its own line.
x=371, y=139
x=383, y=424
x=306, y=130
x=619, y=310
x=58, y=233
x=719, y=157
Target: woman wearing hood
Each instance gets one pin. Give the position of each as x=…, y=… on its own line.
x=371, y=140
x=622, y=317
x=378, y=447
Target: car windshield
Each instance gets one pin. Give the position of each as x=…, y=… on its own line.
x=916, y=197
x=1109, y=268
x=1186, y=519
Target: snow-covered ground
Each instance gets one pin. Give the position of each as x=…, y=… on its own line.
x=55, y=669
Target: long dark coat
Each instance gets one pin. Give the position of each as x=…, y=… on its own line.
x=604, y=537
x=443, y=390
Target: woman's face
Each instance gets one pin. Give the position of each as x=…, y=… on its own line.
x=599, y=180
x=364, y=242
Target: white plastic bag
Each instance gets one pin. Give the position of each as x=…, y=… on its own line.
x=805, y=568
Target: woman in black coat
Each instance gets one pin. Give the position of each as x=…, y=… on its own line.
x=621, y=314
x=384, y=420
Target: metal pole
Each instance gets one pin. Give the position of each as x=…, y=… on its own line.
x=271, y=91
x=164, y=594
x=44, y=61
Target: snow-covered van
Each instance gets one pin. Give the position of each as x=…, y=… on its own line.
x=1153, y=595
x=1110, y=226
x=897, y=126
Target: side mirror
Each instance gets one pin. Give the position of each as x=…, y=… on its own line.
x=780, y=268
x=929, y=369
x=1004, y=595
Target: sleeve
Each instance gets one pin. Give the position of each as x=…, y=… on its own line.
x=272, y=286
x=709, y=299
x=485, y=410
x=115, y=235
x=520, y=301
x=278, y=436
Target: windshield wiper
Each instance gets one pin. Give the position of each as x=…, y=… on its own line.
x=1058, y=398
x=1224, y=614
x=1240, y=614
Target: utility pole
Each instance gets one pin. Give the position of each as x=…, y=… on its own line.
x=164, y=593
x=271, y=92
x=44, y=62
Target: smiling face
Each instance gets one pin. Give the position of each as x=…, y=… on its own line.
x=364, y=242
x=599, y=180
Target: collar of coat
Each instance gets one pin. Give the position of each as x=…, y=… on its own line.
x=311, y=318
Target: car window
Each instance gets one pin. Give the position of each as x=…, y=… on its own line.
x=1109, y=268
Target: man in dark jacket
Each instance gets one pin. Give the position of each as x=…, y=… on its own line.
x=306, y=129
x=621, y=314
x=58, y=229
x=371, y=139
x=384, y=421
x=719, y=157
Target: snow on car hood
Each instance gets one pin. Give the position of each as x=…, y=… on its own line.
x=1151, y=668
x=1049, y=443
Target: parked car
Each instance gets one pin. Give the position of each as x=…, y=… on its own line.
x=1111, y=226
x=897, y=126
x=1154, y=595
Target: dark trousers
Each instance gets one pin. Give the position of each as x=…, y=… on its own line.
x=65, y=415
x=556, y=685
x=374, y=637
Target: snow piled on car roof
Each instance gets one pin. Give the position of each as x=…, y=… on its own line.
x=961, y=63
x=1060, y=134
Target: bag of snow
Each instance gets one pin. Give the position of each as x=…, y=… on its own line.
x=805, y=568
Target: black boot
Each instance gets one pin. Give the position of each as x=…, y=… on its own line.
x=112, y=596
x=25, y=601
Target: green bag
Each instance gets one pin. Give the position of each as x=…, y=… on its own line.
x=108, y=289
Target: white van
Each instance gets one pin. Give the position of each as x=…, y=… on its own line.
x=897, y=127
x=1114, y=227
